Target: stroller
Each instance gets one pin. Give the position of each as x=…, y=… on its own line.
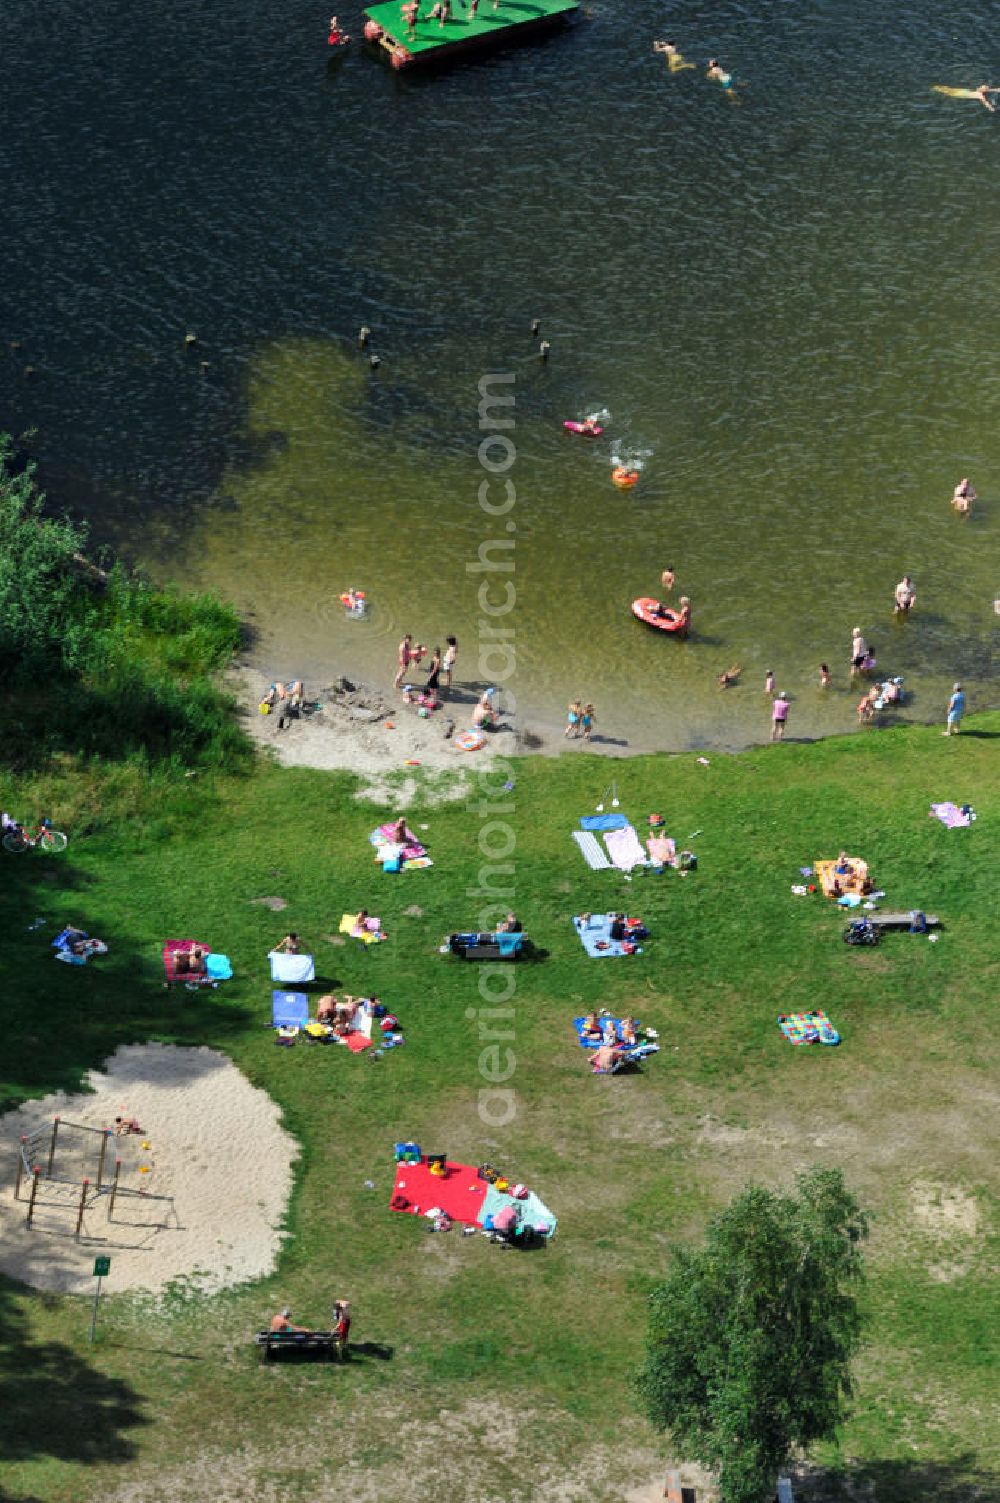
x=862, y=932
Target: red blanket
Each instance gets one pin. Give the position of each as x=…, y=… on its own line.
x=461, y=1193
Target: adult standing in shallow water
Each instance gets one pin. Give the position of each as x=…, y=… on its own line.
x=667, y=578
x=448, y=663
x=779, y=717
x=906, y=596
x=859, y=652
x=405, y=653
x=684, y=616
x=963, y=496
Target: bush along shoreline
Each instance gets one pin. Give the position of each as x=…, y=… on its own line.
x=97, y=663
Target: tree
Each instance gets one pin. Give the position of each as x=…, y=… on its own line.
x=43, y=610
x=751, y=1336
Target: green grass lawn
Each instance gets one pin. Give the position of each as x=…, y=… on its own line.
x=497, y=1374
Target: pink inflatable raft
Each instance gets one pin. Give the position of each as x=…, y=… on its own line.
x=588, y=429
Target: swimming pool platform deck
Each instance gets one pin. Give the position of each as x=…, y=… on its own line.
x=512, y=21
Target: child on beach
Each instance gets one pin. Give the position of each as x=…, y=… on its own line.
x=667, y=578
x=573, y=712
x=587, y=718
x=769, y=684
x=824, y=676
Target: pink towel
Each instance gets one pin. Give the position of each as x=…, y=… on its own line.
x=624, y=848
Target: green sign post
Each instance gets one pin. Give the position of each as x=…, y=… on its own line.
x=102, y=1267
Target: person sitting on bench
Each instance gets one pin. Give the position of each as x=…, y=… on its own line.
x=283, y=1322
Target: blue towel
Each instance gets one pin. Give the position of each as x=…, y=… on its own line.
x=598, y=932
x=218, y=967
x=289, y=1009
x=603, y=822
x=595, y=1043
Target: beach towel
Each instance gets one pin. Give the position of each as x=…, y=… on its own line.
x=408, y=852
x=591, y=851
x=595, y=1043
x=369, y=934
x=289, y=1009
x=291, y=969
x=624, y=848
x=951, y=816
x=595, y=936
x=808, y=1028
x=356, y=1042
x=662, y=850
x=603, y=822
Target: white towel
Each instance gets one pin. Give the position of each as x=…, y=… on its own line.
x=624, y=848
x=289, y=969
x=590, y=850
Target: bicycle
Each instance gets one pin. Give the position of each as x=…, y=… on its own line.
x=19, y=838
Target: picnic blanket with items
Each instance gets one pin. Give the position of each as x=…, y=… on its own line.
x=442, y=1191
x=953, y=816
x=610, y=933
x=624, y=848
x=624, y=1035
x=75, y=947
x=291, y=1021
x=841, y=878
x=398, y=855
x=177, y=960
x=808, y=1028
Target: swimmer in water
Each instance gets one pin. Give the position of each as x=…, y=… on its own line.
x=718, y=74
x=675, y=62
x=983, y=93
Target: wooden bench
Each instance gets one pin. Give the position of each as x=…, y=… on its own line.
x=899, y=920
x=275, y=1344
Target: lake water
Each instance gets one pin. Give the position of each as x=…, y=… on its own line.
x=786, y=299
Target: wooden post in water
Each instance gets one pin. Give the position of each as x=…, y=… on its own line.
x=52, y=1145
x=20, y=1166
x=114, y=1188
x=100, y=1161
x=83, y=1205
x=34, y=1191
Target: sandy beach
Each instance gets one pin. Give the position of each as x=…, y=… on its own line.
x=374, y=732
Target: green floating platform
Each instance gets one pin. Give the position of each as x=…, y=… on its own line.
x=511, y=21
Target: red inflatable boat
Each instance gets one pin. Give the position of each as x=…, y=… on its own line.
x=663, y=618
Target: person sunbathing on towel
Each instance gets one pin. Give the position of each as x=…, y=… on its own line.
x=606, y=1057
x=609, y=1033
x=290, y=945
x=190, y=962
x=345, y=1011
x=629, y=1035
x=326, y=1008
x=400, y=834
x=592, y=1026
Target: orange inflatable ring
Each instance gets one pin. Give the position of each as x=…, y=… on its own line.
x=623, y=477
x=470, y=740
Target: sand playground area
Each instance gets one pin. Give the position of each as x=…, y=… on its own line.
x=203, y=1187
